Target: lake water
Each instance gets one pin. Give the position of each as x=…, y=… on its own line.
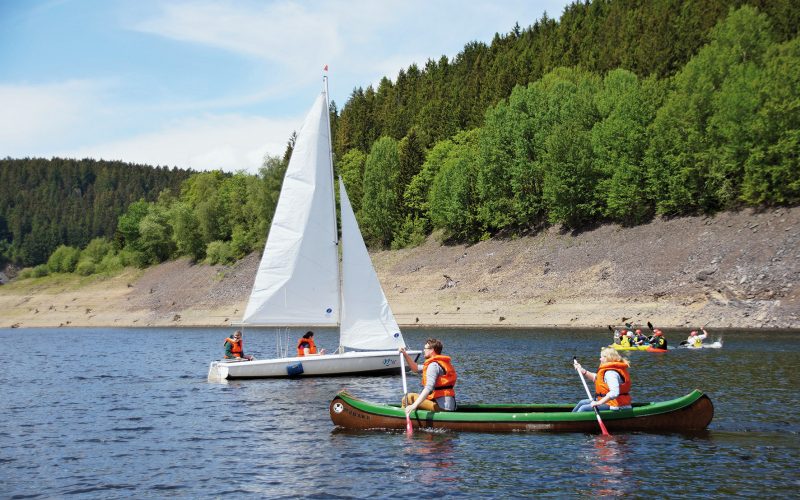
x=128, y=413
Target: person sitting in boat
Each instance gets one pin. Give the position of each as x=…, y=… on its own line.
x=234, y=347
x=641, y=338
x=612, y=383
x=625, y=339
x=438, y=380
x=695, y=339
x=658, y=340
x=306, y=346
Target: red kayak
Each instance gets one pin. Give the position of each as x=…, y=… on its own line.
x=655, y=349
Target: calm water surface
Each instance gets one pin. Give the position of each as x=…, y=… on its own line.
x=124, y=413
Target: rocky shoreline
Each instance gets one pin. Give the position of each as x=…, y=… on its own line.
x=732, y=270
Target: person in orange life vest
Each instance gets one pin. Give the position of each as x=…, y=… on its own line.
x=234, y=347
x=612, y=383
x=438, y=380
x=306, y=346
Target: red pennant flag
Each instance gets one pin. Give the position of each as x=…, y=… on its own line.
x=326, y=68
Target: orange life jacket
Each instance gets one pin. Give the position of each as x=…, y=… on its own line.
x=236, y=347
x=601, y=389
x=444, y=383
x=312, y=349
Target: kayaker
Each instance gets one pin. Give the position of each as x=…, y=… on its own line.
x=641, y=338
x=695, y=339
x=234, y=347
x=658, y=340
x=625, y=339
x=306, y=346
x=612, y=383
x=438, y=380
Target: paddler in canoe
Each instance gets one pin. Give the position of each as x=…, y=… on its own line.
x=438, y=380
x=612, y=383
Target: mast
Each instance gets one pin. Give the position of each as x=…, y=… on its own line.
x=333, y=198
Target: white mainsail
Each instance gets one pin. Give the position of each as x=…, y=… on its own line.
x=297, y=283
x=367, y=319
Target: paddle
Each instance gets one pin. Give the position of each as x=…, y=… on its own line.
x=596, y=412
x=409, y=428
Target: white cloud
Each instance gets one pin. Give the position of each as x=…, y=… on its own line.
x=227, y=142
x=44, y=114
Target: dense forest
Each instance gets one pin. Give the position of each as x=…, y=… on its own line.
x=47, y=203
x=617, y=112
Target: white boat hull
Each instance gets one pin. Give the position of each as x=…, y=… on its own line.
x=326, y=365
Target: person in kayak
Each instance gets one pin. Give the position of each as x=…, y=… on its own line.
x=658, y=340
x=234, y=347
x=612, y=383
x=306, y=346
x=641, y=338
x=695, y=339
x=438, y=380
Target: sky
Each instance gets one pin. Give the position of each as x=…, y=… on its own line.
x=211, y=84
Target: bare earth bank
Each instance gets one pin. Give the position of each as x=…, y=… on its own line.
x=732, y=270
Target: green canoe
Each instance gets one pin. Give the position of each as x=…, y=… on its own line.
x=689, y=413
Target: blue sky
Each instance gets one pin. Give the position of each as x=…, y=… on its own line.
x=210, y=84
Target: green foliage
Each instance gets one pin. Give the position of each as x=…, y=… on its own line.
x=96, y=250
x=452, y=198
x=411, y=233
x=185, y=232
x=40, y=271
x=351, y=168
x=771, y=170
x=380, y=208
x=619, y=141
x=219, y=252
x=63, y=260
x=86, y=268
x=155, y=235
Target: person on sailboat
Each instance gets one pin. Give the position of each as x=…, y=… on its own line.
x=306, y=346
x=234, y=347
x=438, y=380
x=612, y=383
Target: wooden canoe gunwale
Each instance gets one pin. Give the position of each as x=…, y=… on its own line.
x=690, y=413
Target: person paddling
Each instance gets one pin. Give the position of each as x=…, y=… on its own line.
x=234, y=347
x=306, y=346
x=438, y=380
x=696, y=340
x=658, y=340
x=612, y=383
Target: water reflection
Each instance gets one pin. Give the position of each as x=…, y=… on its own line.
x=434, y=454
x=607, y=456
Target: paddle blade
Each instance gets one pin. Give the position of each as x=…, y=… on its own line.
x=602, y=425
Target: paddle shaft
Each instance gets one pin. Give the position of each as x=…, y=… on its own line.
x=589, y=394
x=409, y=427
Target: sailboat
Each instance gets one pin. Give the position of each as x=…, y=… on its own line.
x=301, y=282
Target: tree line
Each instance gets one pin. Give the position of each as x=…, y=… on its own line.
x=474, y=149
x=577, y=147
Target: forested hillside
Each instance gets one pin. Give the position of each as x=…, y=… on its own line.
x=619, y=111
x=47, y=203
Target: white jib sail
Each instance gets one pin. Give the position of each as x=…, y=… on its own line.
x=297, y=283
x=367, y=319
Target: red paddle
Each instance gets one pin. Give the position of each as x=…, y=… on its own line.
x=597, y=413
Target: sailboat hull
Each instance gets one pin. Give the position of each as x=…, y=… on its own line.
x=327, y=365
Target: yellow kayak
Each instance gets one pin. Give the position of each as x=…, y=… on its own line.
x=632, y=348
